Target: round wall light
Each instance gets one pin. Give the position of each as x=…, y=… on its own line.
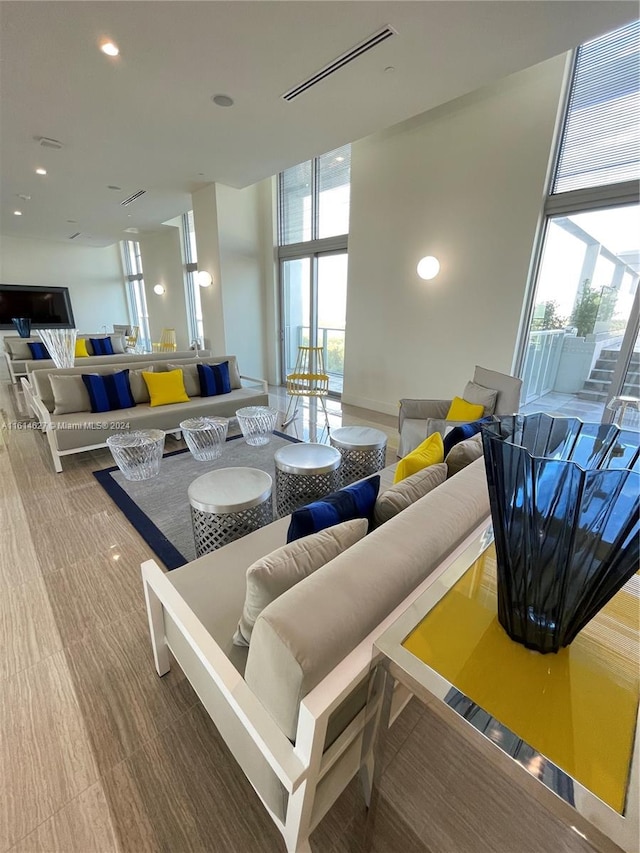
x=204, y=278
x=159, y=289
x=428, y=267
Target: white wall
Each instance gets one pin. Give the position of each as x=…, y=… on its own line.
x=243, y=298
x=205, y=220
x=464, y=182
x=162, y=264
x=94, y=277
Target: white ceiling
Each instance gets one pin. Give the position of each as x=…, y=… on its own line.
x=145, y=119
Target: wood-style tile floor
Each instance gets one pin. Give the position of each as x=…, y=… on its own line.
x=98, y=755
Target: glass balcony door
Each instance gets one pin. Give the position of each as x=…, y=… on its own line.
x=314, y=300
x=583, y=335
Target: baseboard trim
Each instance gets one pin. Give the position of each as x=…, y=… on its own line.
x=373, y=405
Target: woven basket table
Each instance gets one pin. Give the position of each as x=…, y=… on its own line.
x=304, y=473
x=363, y=451
x=228, y=503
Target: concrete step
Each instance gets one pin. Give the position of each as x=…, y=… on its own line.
x=592, y=396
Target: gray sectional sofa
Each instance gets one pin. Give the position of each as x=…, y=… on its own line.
x=293, y=706
x=58, y=399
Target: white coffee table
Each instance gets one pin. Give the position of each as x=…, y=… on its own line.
x=228, y=503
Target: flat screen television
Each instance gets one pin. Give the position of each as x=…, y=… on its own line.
x=47, y=307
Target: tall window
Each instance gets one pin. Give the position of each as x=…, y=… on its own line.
x=582, y=350
x=192, y=289
x=135, y=292
x=313, y=227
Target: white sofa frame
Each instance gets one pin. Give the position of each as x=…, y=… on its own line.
x=300, y=766
x=48, y=427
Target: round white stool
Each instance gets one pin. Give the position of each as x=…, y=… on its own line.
x=227, y=504
x=363, y=451
x=304, y=473
x=137, y=453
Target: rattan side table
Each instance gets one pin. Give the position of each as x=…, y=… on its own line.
x=228, y=503
x=363, y=451
x=304, y=473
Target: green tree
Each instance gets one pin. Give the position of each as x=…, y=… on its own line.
x=546, y=317
x=593, y=305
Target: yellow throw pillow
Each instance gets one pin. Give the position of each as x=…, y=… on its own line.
x=461, y=410
x=430, y=452
x=81, y=348
x=165, y=388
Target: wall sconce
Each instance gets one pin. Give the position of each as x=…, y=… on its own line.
x=159, y=289
x=204, y=278
x=428, y=267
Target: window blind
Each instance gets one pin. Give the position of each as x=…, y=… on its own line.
x=601, y=141
x=314, y=198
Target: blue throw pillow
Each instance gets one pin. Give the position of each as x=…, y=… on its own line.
x=462, y=432
x=354, y=501
x=38, y=350
x=101, y=346
x=109, y=392
x=214, y=379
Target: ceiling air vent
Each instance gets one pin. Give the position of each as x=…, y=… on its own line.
x=46, y=142
x=132, y=198
x=73, y=236
x=364, y=46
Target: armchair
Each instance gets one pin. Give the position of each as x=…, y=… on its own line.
x=420, y=418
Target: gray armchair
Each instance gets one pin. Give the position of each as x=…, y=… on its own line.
x=499, y=393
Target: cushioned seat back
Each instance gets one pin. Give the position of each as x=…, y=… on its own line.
x=42, y=383
x=508, y=388
x=301, y=636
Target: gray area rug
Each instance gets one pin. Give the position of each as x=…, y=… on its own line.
x=159, y=508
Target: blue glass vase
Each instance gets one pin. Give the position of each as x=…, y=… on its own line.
x=565, y=510
x=23, y=325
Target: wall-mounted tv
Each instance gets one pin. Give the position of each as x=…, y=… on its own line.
x=47, y=307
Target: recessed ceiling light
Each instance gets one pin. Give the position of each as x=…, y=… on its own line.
x=222, y=100
x=41, y=171
x=113, y=187
x=109, y=48
x=389, y=69
x=24, y=197
x=72, y=221
x=17, y=213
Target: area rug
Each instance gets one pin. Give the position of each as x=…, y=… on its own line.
x=159, y=508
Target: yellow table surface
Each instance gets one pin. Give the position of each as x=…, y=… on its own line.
x=578, y=707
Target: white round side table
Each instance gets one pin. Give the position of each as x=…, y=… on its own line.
x=304, y=473
x=227, y=504
x=363, y=451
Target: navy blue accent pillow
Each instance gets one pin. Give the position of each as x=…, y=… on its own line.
x=461, y=433
x=101, y=346
x=109, y=392
x=38, y=350
x=214, y=379
x=354, y=501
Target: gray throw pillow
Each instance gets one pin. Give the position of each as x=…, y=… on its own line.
x=139, y=390
x=69, y=394
x=189, y=375
x=463, y=454
x=117, y=344
x=274, y=574
x=481, y=396
x=408, y=491
x=18, y=349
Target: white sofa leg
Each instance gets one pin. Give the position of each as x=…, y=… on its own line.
x=155, y=615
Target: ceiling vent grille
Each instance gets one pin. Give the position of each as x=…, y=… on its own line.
x=73, y=236
x=132, y=198
x=46, y=142
x=364, y=46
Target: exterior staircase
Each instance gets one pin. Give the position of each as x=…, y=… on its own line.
x=596, y=387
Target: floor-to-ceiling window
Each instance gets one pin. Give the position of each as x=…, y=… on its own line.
x=581, y=351
x=135, y=292
x=192, y=287
x=313, y=225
